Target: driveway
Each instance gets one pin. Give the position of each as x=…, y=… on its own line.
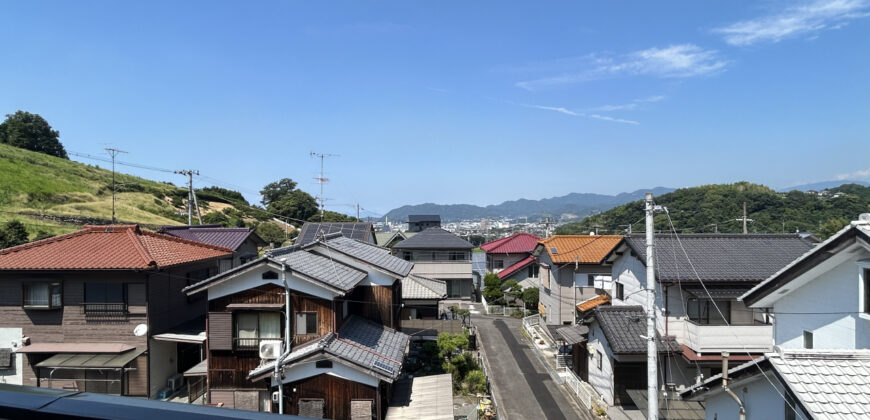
x=523, y=388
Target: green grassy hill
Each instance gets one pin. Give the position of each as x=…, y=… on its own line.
x=53, y=196
x=697, y=209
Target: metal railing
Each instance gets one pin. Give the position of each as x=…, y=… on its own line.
x=584, y=392
x=195, y=389
x=251, y=343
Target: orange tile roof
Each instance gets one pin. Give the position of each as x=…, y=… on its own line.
x=117, y=247
x=590, y=304
x=583, y=249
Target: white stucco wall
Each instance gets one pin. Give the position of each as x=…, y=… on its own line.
x=10, y=338
x=631, y=273
x=829, y=306
x=760, y=399
x=164, y=363
x=601, y=379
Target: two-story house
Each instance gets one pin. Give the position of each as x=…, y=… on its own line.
x=700, y=277
x=325, y=313
x=421, y=222
x=244, y=242
x=820, y=306
x=572, y=269
x=83, y=310
x=441, y=255
x=511, y=257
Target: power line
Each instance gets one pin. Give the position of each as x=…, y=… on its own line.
x=113, y=152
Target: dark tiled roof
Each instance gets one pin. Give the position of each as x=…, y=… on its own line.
x=364, y=232
x=623, y=327
x=216, y=235
x=434, y=238
x=417, y=218
x=720, y=257
x=374, y=255
x=419, y=287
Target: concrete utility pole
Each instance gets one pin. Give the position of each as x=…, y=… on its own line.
x=113, y=152
x=744, y=219
x=652, y=392
x=547, y=224
x=357, y=212
x=191, y=196
x=321, y=179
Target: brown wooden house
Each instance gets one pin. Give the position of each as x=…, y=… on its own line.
x=82, y=311
x=345, y=349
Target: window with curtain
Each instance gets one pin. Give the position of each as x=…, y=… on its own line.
x=306, y=323
x=253, y=327
x=42, y=295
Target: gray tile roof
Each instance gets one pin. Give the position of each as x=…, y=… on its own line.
x=360, y=231
x=216, y=235
x=362, y=342
x=434, y=238
x=374, y=255
x=623, y=327
x=720, y=257
x=419, y=287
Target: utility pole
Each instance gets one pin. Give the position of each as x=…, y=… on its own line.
x=628, y=228
x=321, y=179
x=191, y=196
x=113, y=152
x=547, y=224
x=357, y=212
x=652, y=393
x=744, y=219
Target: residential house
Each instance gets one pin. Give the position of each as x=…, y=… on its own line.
x=573, y=268
x=361, y=231
x=388, y=239
x=421, y=222
x=511, y=258
x=244, y=242
x=614, y=361
x=421, y=297
x=439, y=254
x=97, y=310
x=345, y=349
x=700, y=277
x=791, y=384
x=822, y=298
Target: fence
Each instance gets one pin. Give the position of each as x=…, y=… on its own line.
x=584, y=392
x=502, y=310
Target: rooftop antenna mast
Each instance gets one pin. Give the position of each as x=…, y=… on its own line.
x=191, y=196
x=321, y=179
x=113, y=152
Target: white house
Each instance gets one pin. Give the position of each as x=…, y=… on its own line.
x=822, y=299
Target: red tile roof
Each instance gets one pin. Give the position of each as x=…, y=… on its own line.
x=592, y=303
x=117, y=247
x=513, y=268
x=583, y=249
x=516, y=243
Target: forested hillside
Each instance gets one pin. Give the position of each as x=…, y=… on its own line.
x=709, y=208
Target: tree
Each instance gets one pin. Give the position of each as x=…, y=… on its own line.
x=275, y=190
x=271, y=233
x=13, y=233
x=32, y=132
x=492, y=288
x=284, y=199
x=832, y=226
x=331, y=216
x=530, y=297
x=451, y=343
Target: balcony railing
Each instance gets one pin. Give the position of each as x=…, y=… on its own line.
x=251, y=344
x=105, y=311
x=718, y=338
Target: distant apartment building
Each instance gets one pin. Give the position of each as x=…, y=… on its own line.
x=421, y=222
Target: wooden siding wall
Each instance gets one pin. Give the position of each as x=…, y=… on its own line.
x=67, y=324
x=375, y=303
x=137, y=380
x=323, y=309
x=336, y=393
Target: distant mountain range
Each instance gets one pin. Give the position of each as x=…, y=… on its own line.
x=570, y=206
x=818, y=186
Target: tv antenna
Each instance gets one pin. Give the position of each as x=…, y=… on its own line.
x=113, y=152
x=321, y=179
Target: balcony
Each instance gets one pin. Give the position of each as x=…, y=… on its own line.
x=756, y=338
x=443, y=269
x=105, y=311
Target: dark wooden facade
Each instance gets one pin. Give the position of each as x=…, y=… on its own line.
x=381, y=304
x=337, y=395
x=150, y=297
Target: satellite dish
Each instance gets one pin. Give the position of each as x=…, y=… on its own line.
x=140, y=330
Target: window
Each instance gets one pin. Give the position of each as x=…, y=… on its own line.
x=499, y=263
x=534, y=270
x=42, y=295
x=104, y=293
x=306, y=323
x=703, y=311
x=454, y=288
x=620, y=291
x=251, y=327
x=867, y=290
x=808, y=339
x=270, y=275
x=598, y=354
x=590, y=280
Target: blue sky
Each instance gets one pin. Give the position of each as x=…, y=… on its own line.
x=452, y=102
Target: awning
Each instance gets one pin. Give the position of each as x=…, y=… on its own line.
x=732, y=292
x=76, y=348
x=200, y=369
x=90, y=360
x=182, y=338
x=592, y=303
x=573, y=334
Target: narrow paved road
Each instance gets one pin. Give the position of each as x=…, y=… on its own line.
x=523, y=388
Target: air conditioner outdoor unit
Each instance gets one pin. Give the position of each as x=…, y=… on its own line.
x=270, y=349
x=276, y=397
x=175, y=381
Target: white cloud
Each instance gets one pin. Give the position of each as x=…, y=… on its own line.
x=572, y=113
x=806, y=19
x=628, y=106
x=857, y=175
x=675, y=61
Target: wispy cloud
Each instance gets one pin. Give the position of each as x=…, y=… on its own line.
x=572, y=113
x=675, y=61
x=806, y=19
x=628, y=106
x=857, y=175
